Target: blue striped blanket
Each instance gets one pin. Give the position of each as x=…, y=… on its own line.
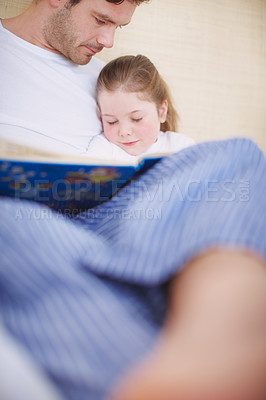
x=87, y=296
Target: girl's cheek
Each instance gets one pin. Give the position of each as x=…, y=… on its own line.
x=144, y=129
x=140, y=127
x=109, y=132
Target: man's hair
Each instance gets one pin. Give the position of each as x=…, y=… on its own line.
x=132, y=1
x=137, y=2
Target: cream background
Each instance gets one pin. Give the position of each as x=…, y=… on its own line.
x=212, y=54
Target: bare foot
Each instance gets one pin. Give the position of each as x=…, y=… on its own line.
x=213, y=346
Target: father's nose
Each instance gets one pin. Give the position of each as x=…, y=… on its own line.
x=106, y=39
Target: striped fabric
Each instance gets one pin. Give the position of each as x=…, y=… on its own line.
x=86, y=296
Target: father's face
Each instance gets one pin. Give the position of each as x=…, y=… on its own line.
x=80, y=31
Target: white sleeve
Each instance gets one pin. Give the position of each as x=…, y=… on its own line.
x=178, y=141
x=20, y=377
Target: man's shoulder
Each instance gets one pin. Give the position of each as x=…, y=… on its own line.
x=1, y=25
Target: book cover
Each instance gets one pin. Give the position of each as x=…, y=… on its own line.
x=68, y=184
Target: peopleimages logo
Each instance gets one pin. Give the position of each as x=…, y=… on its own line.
x=191, y=191
x=59, y=190
x=139, y=201
x=159, y=190
x=216, y=191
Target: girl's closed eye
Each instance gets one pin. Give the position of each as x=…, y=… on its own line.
x=111, y=122
x=137, y=119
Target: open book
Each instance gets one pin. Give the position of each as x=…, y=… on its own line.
x=64, y=183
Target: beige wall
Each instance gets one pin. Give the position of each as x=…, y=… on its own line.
x=212, y=53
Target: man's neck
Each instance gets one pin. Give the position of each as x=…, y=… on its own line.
x=28, y=26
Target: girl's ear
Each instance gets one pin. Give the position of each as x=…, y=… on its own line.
x=163, y=111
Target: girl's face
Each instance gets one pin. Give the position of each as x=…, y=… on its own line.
x=129, y=122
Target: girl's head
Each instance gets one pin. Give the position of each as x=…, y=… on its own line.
x=134, y=103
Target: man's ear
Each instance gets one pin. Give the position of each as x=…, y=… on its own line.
x=163, y=111
x=57, y=3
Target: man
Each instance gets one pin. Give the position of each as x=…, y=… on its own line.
x=48, y=72
x=87, y=298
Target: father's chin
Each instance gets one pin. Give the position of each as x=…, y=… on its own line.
x=81, y=60
x=84, y=54
x=81, y=56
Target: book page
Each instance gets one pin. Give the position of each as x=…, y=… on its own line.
x=15, y=151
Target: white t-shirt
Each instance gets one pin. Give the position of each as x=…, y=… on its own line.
x=167, y=142
x=46, y=100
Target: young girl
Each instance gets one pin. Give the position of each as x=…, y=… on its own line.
x=136, y=111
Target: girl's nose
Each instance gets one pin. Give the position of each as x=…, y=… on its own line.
x=125, y=131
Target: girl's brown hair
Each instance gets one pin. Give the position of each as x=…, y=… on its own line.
x=138, y=74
